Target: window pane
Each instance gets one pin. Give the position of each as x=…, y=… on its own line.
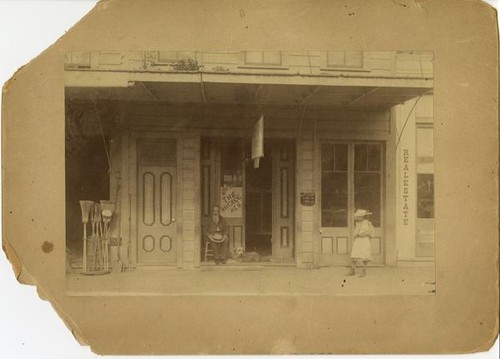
x=367, y=194
x=340, y=157
x=425, y=196
x=336, y=58
x=334, y=199
x=272, y=57
x=231, y=170
x=360, y=157
x=373, y=157
x=425, y=143
x=327, y=157
x=354, y=58
x=167, y=56
x=253, y=57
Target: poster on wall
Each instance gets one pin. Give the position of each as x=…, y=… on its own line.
x=231, y=202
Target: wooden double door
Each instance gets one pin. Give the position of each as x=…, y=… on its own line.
x=258, y=203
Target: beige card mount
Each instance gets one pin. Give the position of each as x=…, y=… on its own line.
x=187, y=177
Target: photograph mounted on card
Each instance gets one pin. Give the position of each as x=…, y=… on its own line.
x=294, y=193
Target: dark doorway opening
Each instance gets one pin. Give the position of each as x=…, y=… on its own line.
x=87, y=178
x=259, y=206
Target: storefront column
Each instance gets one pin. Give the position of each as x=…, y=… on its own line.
x=190, y=231
x=115, y=195
x=126, y=202
x=391, y=191
x=305, y=215
x=406, y=212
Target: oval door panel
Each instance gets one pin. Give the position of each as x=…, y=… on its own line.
x=166, y=243
x=148, y=243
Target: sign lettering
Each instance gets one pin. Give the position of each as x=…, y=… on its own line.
x=231, y=204
x=307, y=198
x=406, y=186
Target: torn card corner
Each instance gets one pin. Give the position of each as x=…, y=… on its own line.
x=20, y=272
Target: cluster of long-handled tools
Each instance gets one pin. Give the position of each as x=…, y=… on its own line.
x=96, y=246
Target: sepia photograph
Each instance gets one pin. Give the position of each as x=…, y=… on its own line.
x=255, y=172
x=253, y=177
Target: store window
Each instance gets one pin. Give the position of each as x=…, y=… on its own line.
x=425, y=171
x=425, y=195
x=334, y=186
x=367, y=179
x=351, y=177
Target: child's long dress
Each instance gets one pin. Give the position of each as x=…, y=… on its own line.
x=361, y=246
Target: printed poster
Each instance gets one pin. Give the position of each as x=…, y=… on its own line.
x=231, y=202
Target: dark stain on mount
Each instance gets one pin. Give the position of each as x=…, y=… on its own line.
x=47, y=247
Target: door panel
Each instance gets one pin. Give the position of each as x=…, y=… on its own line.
x=351, y=177
x=156, y=201
x=156, y=208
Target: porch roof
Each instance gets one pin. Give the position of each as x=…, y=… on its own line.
x=333, y=91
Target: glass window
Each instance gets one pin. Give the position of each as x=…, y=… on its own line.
x=231, y=166
x=272, y=58
x=367, y=179
x=328, y=157
x=373, y=157
x=425, y=171
x=340, y=157
x=348, y=59
x=360, y=158
x=425, y=142
x=425, y=195
x=334, y=195
x=367, y=194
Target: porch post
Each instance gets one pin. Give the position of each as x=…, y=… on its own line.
x=305, y=215
x=391, y=214
x=190, y=212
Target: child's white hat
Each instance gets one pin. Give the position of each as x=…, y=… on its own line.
x=361, y=213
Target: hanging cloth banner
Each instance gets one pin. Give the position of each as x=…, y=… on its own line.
x=258, y=142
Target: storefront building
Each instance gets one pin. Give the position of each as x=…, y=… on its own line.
x=342, y=130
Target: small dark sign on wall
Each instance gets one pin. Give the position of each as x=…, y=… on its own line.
x=307, y=198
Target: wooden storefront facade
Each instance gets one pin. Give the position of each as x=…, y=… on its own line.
x=333, y=141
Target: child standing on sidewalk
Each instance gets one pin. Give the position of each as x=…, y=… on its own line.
x=361, y=246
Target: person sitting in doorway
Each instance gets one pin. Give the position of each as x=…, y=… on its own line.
x=361, y=246
x=216, y=232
